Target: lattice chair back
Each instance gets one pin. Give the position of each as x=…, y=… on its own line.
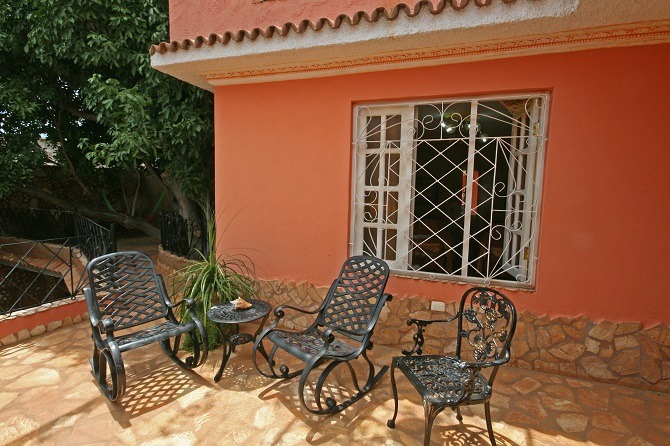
x=353, y=299
x=486, y=326
x=127, y=289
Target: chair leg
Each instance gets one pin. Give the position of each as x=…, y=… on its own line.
x=331, y=404
x=489, y=426
x=391, y=423
x=284, y=372
x=171, y=348
x=459, y=417
x=430, y=413
x=101, y=360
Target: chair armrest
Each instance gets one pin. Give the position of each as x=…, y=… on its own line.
x=328, y=335
x=386, y=297
x=485, y=364
x=190, y=303
x=163, y=291
x=91, y=304
x=421, y=325
x=279, y=311
x=106, y=326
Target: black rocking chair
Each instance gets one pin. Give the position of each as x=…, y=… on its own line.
x=486, y=320
x=125, y=293
x=340, y=333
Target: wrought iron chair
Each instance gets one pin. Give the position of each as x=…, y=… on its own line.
x=486, y=321
x=340, y=332
x=125, y=293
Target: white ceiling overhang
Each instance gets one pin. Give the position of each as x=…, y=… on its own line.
x=525, y=27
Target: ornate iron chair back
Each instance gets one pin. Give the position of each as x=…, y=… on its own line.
x=486, y=324
x=126, y=289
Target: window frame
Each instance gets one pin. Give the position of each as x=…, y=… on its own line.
x=540, y=130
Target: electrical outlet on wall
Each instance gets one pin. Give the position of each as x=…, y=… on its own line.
x=438, y=306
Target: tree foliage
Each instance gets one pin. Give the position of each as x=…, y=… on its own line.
x=76, y=74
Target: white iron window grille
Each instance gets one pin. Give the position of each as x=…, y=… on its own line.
x=451, y=189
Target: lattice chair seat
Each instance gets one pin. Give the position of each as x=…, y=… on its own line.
x=341, y=331
x=149, y=335
x=486, y=324
x=305, y=345
x=125, y=294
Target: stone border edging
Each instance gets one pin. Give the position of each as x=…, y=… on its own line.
x=42, y=323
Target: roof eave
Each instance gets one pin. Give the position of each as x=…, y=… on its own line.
x=499, y=30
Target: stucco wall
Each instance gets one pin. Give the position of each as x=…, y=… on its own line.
x=283, y=160
x=189, y=19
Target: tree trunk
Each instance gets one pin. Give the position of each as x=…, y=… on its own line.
x=186, y=207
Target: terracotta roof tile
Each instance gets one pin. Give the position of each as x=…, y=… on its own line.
x=302, y=26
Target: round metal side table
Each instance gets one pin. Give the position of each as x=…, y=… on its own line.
x=224, y=314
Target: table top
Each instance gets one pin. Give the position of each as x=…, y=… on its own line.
x=226, y=314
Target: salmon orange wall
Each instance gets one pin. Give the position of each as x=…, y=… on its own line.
x=190, y=19
x=283, y=160
x=60, y=313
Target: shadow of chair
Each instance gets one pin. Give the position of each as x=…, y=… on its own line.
x=486, y=322
x=340, y=333
x=156, y=386
x=312, y=425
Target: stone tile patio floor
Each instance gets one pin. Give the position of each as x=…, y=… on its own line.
x=48, y=397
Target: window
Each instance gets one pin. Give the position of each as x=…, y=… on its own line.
x=451, y=189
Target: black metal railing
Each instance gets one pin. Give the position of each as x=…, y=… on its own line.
x=92, y=239
x=182, y=237
x=33, y=273
x=38, y=271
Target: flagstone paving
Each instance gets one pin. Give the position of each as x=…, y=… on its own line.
x=48, y=397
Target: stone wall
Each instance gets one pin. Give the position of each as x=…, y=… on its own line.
x=618, y=353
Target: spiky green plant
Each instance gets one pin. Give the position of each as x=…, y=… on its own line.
x=216, y=278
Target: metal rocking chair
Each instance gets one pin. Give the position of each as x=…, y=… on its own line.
x=486, y=320
x=340, y=333
x=126, y=293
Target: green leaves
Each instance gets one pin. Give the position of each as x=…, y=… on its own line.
x=17, y=166
x=78, y=72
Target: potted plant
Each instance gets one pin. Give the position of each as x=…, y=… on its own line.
x=215, y=278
